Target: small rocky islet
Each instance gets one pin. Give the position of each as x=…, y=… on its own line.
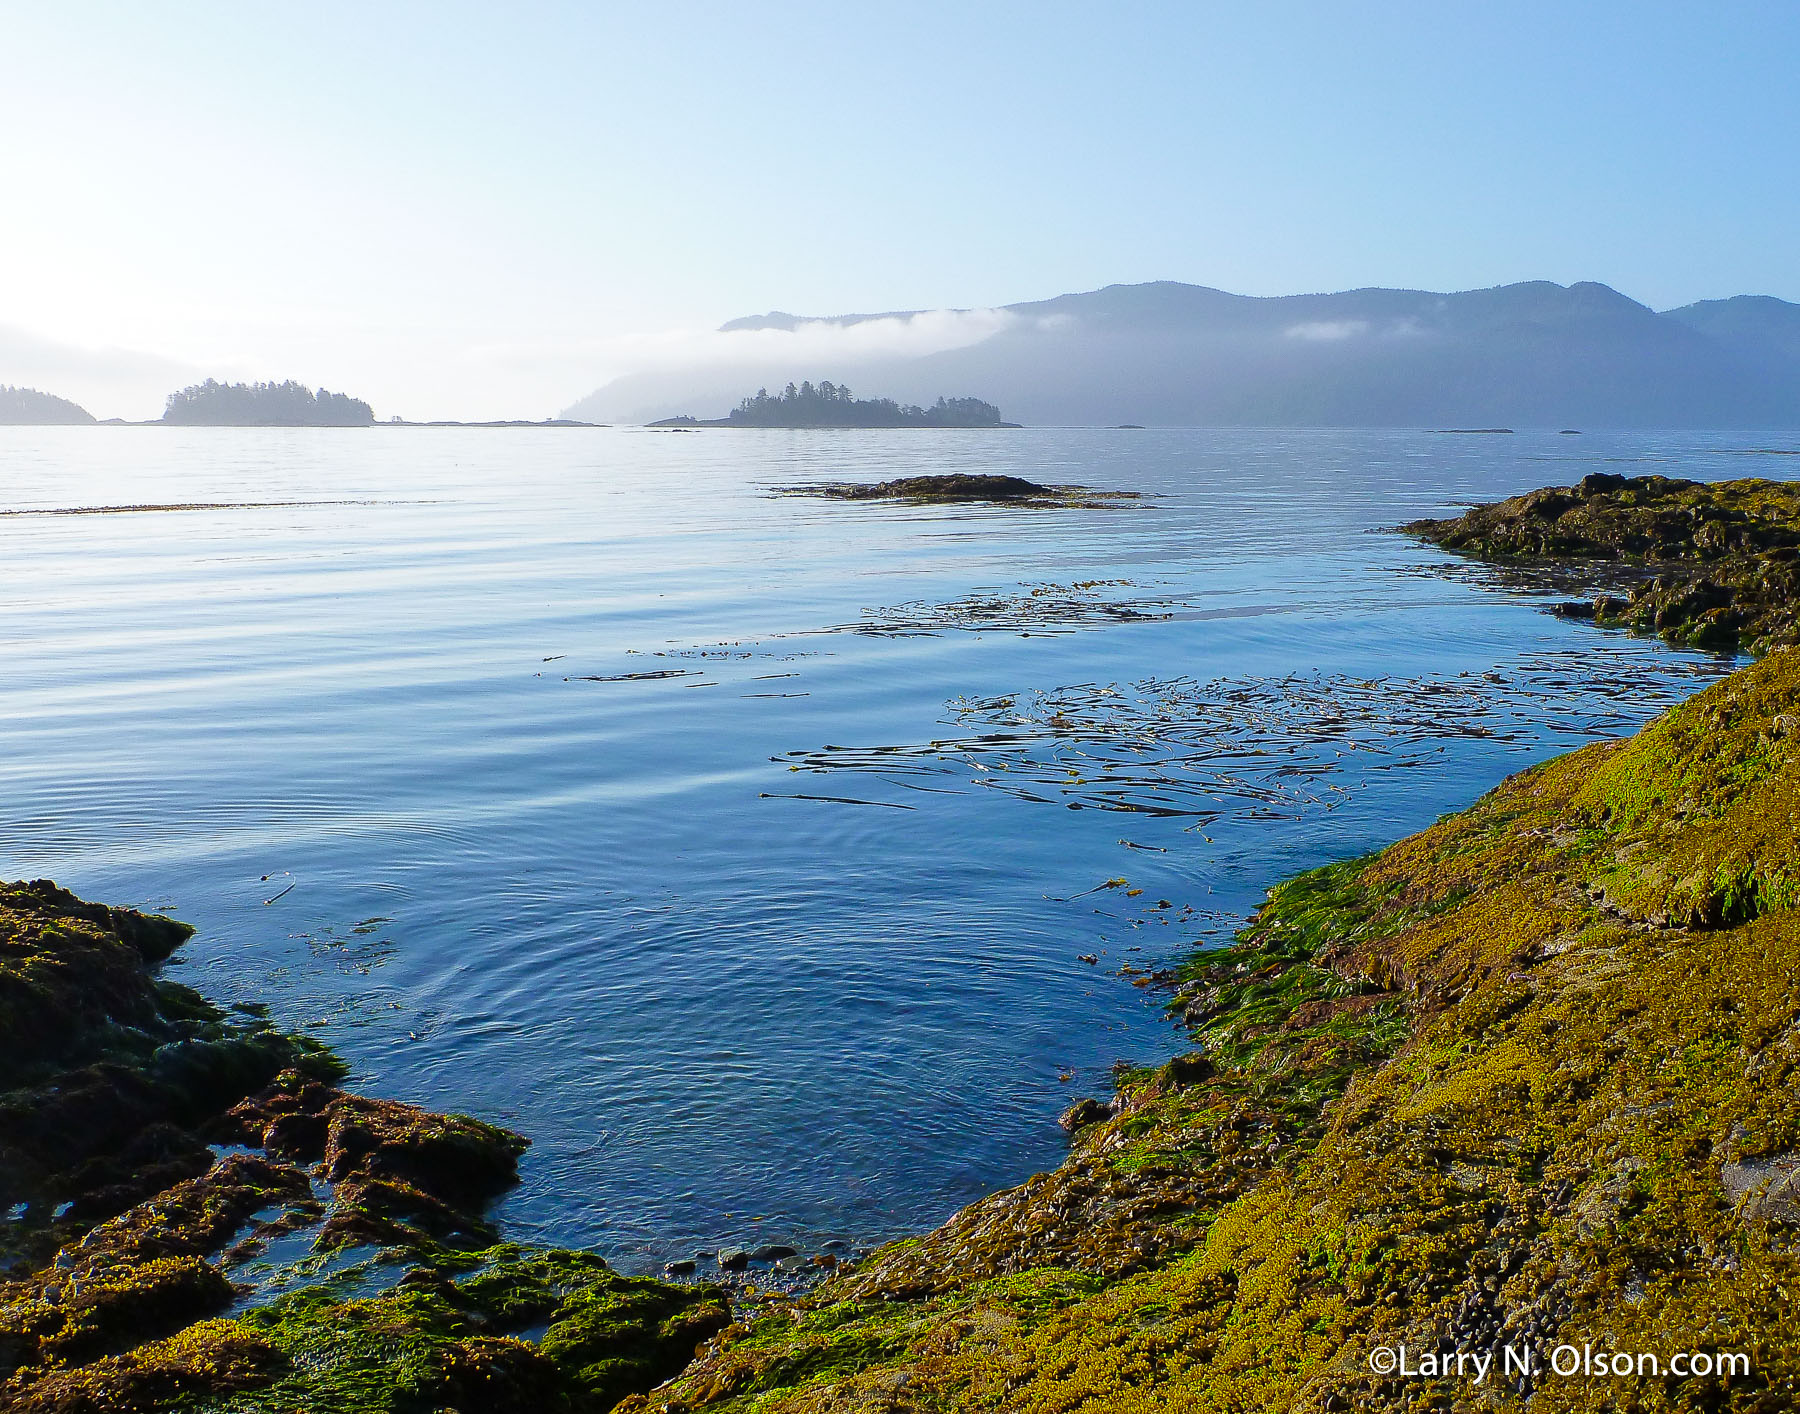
x=962, y=487
x=1526, y=1079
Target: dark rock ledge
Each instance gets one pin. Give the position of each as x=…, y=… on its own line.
x=157, y=1154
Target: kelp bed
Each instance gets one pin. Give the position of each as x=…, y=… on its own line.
x=1031, y=609
x=1260, y=748
x=1028, y=609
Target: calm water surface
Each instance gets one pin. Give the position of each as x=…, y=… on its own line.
x=742, y=850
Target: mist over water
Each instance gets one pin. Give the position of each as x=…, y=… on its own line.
x=741, y=850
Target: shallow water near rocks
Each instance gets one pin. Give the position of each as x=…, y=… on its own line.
x=743, y=850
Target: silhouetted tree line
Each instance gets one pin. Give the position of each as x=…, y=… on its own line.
x=26, y=407
x=833, y=405
x=290, y=404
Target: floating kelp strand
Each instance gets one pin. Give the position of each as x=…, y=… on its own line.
x=833, y=800
x=188, y=506
x=637, y=677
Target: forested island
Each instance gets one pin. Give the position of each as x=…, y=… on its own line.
x=834, y=405
x=27, y=407
x=289, y=404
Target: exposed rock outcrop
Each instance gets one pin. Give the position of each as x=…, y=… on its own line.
x=154, y=1149
x=1717, y=563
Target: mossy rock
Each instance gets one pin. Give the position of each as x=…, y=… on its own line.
x=429, y=1345
x=114, y=1294
x=406, y=1352
x=625, y=1335
x=202, y=1366
x=1716, y=564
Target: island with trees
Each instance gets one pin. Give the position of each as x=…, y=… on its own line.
x=27, y=407
x=834, y=405
x=289, y=404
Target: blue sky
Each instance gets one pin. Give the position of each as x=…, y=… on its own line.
x=489, y=209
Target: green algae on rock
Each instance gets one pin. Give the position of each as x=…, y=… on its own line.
x=107, y=1073
x=151, y=1147
x=1718, y=562
x=1525, y=1079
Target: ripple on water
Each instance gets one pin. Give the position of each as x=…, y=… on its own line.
x=512, y=764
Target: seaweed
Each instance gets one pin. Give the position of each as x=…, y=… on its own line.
x=1259, y=748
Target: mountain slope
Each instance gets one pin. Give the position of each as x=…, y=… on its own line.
x=1760, y=325
x=1532, y=354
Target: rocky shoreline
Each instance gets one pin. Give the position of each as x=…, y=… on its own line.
x=1715, y=565
x=1527, y=1079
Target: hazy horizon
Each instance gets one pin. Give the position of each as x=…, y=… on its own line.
x=453, y=213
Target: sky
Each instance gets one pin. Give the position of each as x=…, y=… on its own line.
x=486, y=210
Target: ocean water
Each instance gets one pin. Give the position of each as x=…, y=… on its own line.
x=743, y=850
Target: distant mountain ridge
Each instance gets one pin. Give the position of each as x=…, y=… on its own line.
x=1535, y=354
x=1759, y=322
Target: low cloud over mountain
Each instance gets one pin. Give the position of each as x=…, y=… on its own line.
x=1533, y=354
